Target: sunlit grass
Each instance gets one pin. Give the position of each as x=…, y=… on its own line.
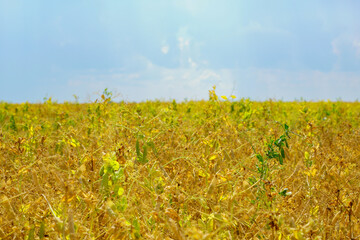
x=217, y=169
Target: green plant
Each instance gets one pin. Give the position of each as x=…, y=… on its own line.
x=275, y=150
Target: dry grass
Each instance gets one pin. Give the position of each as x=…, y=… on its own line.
x=73, y=171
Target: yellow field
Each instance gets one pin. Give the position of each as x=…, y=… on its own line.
x=195, y=170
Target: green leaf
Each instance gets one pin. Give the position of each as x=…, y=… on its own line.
x=31, y=235
x=105, y=182
x=136, y=226
x=144, y=154
x=152, y=145
x=281, y=160
x=114, y=165
x=283, y=192
x=13, y=123
x=101, y=171
x=260, y=158
x=282, y=152
x=137, y=148
x=42, y=230
x=121, y=205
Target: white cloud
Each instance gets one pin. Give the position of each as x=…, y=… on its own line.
x=157, y=82
x=188, y=49
x=165, y=49
x=192, y=63
x=346, y=48
x=183, y=43
x=346, y=42
x=183, y=38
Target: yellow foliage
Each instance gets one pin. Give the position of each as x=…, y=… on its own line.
x=178, y=170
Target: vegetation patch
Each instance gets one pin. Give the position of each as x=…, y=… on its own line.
x=217, y=169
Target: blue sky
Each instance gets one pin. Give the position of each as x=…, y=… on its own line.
x=179, y=49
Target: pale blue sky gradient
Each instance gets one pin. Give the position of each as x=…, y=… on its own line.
x=165, y=49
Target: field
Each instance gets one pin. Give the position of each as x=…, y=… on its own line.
x=225, y=168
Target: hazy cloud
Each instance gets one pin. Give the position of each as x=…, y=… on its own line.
x=180, y=48
x=156, y=82
x=183, y=38
x=165, y=49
